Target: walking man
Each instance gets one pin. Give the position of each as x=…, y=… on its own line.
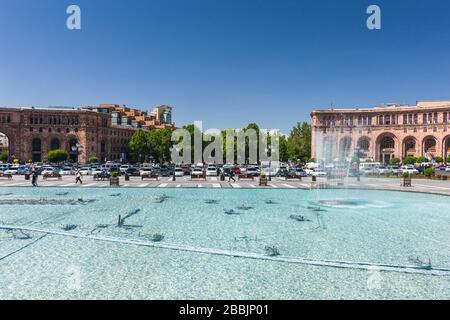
x=78, y=176
x=34, y=178
x=231, y=176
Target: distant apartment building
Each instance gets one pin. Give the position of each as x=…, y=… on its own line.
x=382, y=133
x=103, y=131
x=159, y=118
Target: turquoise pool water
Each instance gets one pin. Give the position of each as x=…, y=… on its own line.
x=182, y=244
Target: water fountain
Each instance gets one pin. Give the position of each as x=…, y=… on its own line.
x=335, y=156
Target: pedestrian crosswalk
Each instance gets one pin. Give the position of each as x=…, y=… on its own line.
x=166, y=182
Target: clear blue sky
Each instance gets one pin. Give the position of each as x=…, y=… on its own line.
x=226, y=62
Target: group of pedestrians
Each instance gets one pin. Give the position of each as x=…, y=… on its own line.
x=35, y=175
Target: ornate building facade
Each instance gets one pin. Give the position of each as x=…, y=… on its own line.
x=83, y=132
x=383, y=133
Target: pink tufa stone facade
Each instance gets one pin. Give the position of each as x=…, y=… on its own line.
x=383, y=133
x=33, y=132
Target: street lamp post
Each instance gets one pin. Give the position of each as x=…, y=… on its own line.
x=75, y=150
x=358, y=162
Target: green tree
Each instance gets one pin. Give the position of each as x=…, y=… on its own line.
x=284, y=154
x=299, y=142
x=252, y=144
x=93, y=159
x=192, y=129
x=4, y=156
x=355, y=159
x=57, y=156
x=224, y=137
x=448, y=159
x=139, y=145
x=160, y=143
x=422, y=159
x=439, y=159
x=395, y=161
x=409, y=160
x=429, y=172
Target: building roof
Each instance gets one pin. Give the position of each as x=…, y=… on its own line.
x=397, y=107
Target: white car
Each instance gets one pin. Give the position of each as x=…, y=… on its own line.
x=367, y=171
x=47, y=170
x=145, y=171
x=396, y=169
x=447, y=169
x=67, y=171
x=252, y=171
x=384, y=170
x=95, y=171
x=211, y=171
x=178, y=172
x=12, y=170
x=410, y=170
x=123, y=168
x=318, y=173
x=197, y=171
x=85, y=171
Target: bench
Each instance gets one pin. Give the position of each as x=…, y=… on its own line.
x=246, y=176
x=198, y=176
x=6, y=176
x=54, y=175
x=150, y=176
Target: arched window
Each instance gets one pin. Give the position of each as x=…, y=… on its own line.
x=55, y=144
x=387, y=143
x=103, y=147
x=364, y=144
x=430, y=145
x=36, y=145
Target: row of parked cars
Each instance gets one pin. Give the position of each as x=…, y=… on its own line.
x=164, y=170
x=14, y=169
x=395, y=170
x=389, y=170
x=200, y=169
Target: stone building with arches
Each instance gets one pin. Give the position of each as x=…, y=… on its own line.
x=382, y=133
x=30, y=133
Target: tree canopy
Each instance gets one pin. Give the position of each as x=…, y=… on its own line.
x=157, y=144
x=57, y=156
x=4, y=156
x=299, y=142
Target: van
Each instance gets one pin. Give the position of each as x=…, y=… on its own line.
x=369, y=165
